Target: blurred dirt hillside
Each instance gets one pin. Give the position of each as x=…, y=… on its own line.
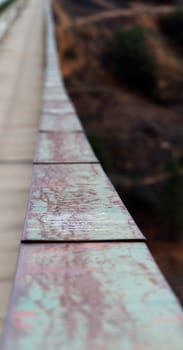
x=123, y=67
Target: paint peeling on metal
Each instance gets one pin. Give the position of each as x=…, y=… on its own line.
x=55, y=106
x=57, y=147
x=102, y=296
x=55, y=93
x=92, y=296
x=58, y=121
x=76, y=202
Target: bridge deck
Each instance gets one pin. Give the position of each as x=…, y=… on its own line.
x=21, y=62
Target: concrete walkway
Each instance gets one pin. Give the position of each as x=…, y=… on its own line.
x=21, y=69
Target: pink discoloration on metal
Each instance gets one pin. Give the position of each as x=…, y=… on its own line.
x=56, y=94
x=76, y=202
x=58, y=120
x=58, y=107
x=57, y=147
x=83, y=296
x=86, y=296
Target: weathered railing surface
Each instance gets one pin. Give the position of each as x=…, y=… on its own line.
x=85, y=278
x=8, y=16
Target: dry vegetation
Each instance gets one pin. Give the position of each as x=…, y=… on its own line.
x=144, y=130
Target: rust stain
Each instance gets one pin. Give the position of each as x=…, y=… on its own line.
x=80, y=296
x=76, y=202
x=65, y=147
x=57, y=106
x=91, y=296
x=54, y=120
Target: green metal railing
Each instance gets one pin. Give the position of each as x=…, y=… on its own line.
x=85, y=278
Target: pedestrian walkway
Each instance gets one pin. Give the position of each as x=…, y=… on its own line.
x=21, y=63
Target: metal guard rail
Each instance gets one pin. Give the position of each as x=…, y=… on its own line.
x=85, y=278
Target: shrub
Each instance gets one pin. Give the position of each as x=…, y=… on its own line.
x=171, y=200
x=101, y=150
x=70, y=53
x=132, y=60
x=173, y=25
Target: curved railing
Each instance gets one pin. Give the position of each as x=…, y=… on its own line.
x=85, y=277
